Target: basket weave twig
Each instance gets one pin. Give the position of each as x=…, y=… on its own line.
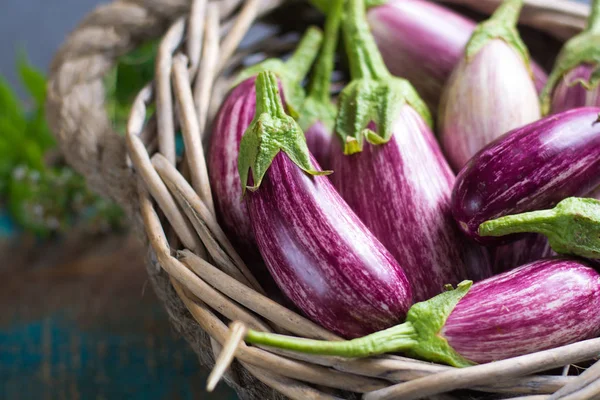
x=193, y=267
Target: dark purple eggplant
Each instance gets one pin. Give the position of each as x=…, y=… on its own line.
x=317, y=250
x=576, y=74
x=530, y=168
x=397, y=180
x=234, y=117
x=524, y=251
x=542, y=305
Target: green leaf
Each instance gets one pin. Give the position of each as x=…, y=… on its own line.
x=33, y=80
x=10, y=106
x=123, y=82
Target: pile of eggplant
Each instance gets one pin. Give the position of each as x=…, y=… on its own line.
x=442, y=206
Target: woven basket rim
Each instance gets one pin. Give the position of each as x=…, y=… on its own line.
x=199, y=41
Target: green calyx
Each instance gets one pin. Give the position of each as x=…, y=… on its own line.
x=325, y=5
x=291, y=72
x=428, y=319
x=420, y=335
x=318, y=105
x=373, y=95
x=501, y=25
x=580, y=49
x=572, y=227
x=270, y=132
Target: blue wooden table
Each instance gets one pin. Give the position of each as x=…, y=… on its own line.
x=78, y=321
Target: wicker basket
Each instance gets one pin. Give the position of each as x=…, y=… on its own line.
x=172, y=203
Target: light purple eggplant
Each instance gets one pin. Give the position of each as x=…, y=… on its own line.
x=574, y=79
x=397, y=180
x=317, y=250
x=233, y=118
x=491, y=91
x=530, y=168
x=538, y=306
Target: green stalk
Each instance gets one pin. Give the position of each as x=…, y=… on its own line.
x=397, y=338
x=593, y=24
x=530, y=222
x=303, y=57
x=572, y=227
x=508, y=12
x=580, y=49
x=292, y=72
x=320, y=87
x=325, y=5
x=318, y=105
x=420, y=336
x=365, y=59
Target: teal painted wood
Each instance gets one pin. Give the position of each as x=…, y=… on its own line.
x=76, y=322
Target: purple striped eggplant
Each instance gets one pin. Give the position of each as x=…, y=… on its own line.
x=530, y=168
x=493, y=78
x=542, y=305
x=317, y=250
x=317, y=118
x=234, y=117
x=398, y=182
x=575, y=77
x=422, y=42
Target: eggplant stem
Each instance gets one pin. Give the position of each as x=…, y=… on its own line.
x=302, y=59
x=268, y=99
x=320, y=86
x=530, y=222
x=508, y=12
x=398, y=338
x=593, y=24
x=365, y=59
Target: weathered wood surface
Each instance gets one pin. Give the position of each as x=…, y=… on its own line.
x=78, y=322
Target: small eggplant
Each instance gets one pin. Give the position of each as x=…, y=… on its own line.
x=574, y=80
x=572, y=227
x=397, y=180
x=317, y=118
x=491, y=91
x=234, y=117
x=530, y=168
x=542, y=305
x=317, y=250
x=422, y=42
